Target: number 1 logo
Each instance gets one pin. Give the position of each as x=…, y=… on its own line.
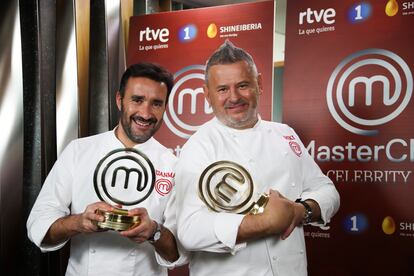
x=187, y=33
x=355, y=223
x=359, y=12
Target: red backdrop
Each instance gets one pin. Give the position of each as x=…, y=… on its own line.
x=348, y=93
x=182, y=41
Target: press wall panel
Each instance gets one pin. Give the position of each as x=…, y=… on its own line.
x=98, y=68
x=116, y=55
x=39, y=90
x=107, y=63
x=32, y=162
x=67, y=112
x=11, y=139
x=82, y=24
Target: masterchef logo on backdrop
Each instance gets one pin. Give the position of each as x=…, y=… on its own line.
x=368, y=89
x=187, y=107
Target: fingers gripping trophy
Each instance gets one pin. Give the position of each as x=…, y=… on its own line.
x=124, y=177
x=226, y=186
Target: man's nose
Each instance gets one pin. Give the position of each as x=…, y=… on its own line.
x=234, y=94
x=145, y=110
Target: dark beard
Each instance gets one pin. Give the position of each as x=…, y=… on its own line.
x=138, y=139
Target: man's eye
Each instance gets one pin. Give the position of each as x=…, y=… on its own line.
x=222, y=90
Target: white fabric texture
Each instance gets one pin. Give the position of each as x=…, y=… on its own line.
x=274, y=162
x=69, y=188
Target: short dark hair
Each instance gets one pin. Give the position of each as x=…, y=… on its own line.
x=227, y=53
x=148, y=70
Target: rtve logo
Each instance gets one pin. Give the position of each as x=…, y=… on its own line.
x=157, y=34
x=367, y=89
x=187, y=107
x=311, y=16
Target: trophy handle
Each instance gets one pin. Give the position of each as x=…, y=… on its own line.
x=259, y=205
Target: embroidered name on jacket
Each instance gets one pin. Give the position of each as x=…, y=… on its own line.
x=294, y=145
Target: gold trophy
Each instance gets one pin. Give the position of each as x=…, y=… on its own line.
x=118, y=220
x=123, y=177
x=226, y=186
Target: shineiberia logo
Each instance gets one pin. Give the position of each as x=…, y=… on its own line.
x=388, y=225
x=212, y=30
x=232, y=30
x=391, y=8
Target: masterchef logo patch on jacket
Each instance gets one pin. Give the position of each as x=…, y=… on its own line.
x=294, y=146
x=164, y=182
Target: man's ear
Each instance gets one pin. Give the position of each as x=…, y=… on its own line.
x=118, y=100
x=206, y=94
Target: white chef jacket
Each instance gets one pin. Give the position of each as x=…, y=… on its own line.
x=276, y=159
x=69, y=188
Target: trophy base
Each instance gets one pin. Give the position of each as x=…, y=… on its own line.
x=117, y=220
x=259, y=205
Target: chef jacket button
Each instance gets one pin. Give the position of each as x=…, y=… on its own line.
x=132, y=253
x=93, y=251
x=274, y=258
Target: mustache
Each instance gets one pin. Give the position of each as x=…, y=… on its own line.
x=141, y=119
x=232, y=104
